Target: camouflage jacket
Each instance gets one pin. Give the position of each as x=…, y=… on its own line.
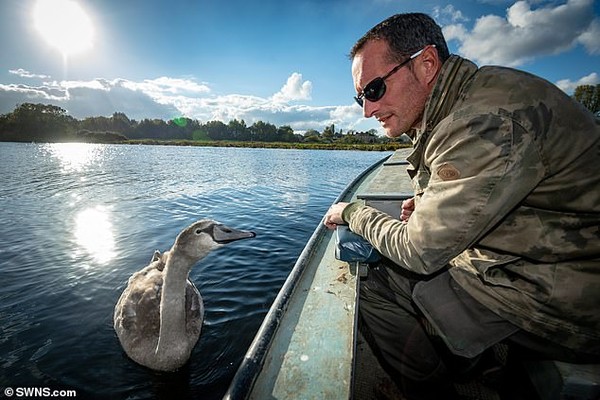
x=505, y=170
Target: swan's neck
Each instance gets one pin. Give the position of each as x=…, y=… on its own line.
x=172, y=305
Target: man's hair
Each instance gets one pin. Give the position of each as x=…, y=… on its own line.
x=405, y=34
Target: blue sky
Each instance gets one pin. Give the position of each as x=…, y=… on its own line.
x=283, y=62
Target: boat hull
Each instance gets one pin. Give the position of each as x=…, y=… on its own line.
x=306, y=343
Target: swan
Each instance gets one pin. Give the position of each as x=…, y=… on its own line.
x=159, y=314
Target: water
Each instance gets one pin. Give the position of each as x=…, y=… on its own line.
x=77, y=220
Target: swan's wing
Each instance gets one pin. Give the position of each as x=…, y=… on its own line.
x=137, y=311
x=194, y=309
x=158, y=260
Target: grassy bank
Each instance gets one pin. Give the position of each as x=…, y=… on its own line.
x=274, y=145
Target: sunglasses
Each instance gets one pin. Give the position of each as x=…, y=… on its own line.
x=375, y=89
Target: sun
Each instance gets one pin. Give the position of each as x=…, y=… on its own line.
x=64, y=25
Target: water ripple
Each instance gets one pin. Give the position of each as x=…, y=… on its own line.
x=78, y=220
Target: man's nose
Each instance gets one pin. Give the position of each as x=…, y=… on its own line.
x=369, y=108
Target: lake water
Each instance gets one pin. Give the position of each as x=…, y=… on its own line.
x=77, y=220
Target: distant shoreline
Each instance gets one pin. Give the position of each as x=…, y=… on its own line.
x=274, y=145
x=268, y=145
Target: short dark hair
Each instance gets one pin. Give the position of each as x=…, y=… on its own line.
x=405, y=34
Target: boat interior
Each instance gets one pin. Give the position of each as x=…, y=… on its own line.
x=312, y=344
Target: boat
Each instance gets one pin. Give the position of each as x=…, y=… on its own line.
x=309, y=345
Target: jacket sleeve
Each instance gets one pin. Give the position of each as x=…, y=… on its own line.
x=481, y=168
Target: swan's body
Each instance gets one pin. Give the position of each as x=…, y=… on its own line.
x=159, y=314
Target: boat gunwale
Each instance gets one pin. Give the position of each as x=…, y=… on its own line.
x=243, y=381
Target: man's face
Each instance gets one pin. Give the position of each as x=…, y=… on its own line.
x=401, y=107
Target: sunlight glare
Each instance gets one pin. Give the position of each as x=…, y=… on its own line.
x=93, y=232
x=75, y=156
x=64, y=25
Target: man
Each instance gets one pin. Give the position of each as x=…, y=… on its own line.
x=502, y=239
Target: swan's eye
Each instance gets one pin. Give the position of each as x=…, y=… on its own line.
x=208, y=230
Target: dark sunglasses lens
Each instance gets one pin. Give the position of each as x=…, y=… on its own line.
x=375, y=89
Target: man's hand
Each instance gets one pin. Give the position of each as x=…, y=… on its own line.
x=408, y=206
x=333, y=217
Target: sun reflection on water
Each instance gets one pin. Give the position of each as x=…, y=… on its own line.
x=94, y=234
x=75, y=156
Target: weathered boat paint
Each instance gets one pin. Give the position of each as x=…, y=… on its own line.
x=305, y=346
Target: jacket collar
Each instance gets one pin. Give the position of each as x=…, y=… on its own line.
x=455, y=74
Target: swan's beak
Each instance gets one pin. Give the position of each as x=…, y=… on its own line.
x=223, y=234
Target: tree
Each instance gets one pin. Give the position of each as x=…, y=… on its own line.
x=589, y=96
x=312, y=136
x=216, y=130
x=118, y=122
x=38, y=122
x=238, y=130
x=200, y=135
x=181, y=128
x=121, y=123
x=49, y=123
x=263, y=132
x=329, y=132
x=152, y=129
x=285, y=133
x=96, y=124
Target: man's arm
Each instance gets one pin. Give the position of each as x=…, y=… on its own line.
x=481, y=168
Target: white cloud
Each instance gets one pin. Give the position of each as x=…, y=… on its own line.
x=589, y=38
x=168, y=86
x=32, y=93
x=526, y=33
x=294, y=89
x=166, y=98
x=350, y=116
x=97, y=84
x=569, y=86
x=448, y=13
x=87, y=98
x=26, y=74
x=455, y=32
x=495, y=2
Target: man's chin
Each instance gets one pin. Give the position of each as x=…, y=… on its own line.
x=392, y=130
x=392, y=133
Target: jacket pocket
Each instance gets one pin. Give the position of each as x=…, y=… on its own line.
x=535, y=281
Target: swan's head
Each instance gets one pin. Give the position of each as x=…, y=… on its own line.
x=198, y=239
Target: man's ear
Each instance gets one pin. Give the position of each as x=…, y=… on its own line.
x=429, y=65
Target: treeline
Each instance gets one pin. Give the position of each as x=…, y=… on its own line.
x=589, y=96
x=49, y=123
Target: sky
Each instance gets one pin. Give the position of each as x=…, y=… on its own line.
x=279, y=61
